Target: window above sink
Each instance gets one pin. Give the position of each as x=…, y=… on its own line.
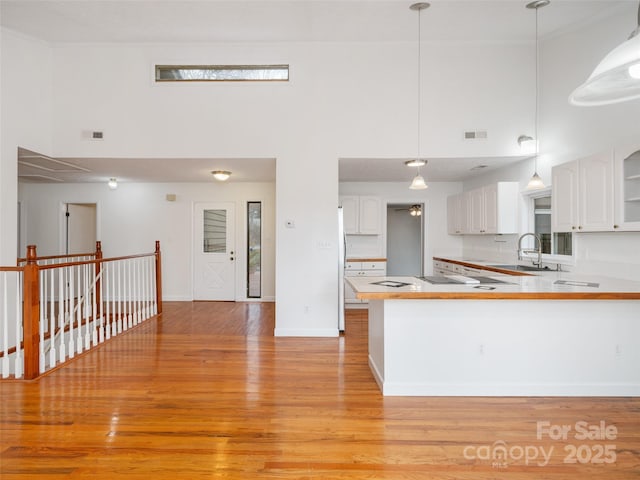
x=557, y=247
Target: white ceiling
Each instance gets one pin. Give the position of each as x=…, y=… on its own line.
x=36, y=168
x=436, y=169
x=238, y=21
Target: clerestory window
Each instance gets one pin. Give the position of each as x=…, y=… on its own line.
x=221, y=73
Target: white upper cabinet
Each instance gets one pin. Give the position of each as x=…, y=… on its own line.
x=564, y=197
x=456, y=214
x=582, y=195
x=596, y=193
x=361, y=214
x=487, y=210
x=627, y=188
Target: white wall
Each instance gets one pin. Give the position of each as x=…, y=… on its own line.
x=131, y=218
x=25, y=120
x=343, y=100
x=566, y=133
x=437, y=241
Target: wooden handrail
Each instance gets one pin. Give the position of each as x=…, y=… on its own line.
x=53, y=257
x=11, y=269
x=31, y=295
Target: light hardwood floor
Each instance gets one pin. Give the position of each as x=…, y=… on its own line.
x=206, y=391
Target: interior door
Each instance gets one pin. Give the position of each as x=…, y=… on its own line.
x=80, y=228
x=214, y=252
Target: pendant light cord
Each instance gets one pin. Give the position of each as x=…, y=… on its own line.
x=537, y=144
x=419, y=79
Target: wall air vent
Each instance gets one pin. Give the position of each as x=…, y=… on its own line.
x=92, y=134
x=475, y=135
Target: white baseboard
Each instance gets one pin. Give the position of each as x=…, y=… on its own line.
x=306, y=332
x=507, y=390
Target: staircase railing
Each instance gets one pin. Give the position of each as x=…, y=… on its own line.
x=54, y=308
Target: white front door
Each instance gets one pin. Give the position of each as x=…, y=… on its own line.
x=214, y=252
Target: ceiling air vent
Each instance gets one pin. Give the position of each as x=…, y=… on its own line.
x=475, y=134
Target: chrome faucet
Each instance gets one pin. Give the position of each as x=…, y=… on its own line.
x=522, y=251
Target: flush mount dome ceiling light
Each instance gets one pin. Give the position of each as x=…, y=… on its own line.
x=616, y=78
x=112, y=183
x=416, y=162
x=221, y=175
x=418, y=182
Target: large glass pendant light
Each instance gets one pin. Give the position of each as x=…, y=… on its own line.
x=616, y=78
x=536, y=182
x=418, y=182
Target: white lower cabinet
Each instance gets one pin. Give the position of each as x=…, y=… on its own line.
x=440, y=267
x=361, y=269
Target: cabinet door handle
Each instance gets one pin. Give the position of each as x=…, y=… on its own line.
x=580, y=227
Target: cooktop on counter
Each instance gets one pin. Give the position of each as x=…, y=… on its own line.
x=459, y=279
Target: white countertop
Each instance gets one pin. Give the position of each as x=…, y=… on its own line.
x=519, y=287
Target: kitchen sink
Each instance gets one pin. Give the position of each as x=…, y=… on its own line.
x=521, y=268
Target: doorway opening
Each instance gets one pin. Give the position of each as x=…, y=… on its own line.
x=405, y=239
x=80, y=228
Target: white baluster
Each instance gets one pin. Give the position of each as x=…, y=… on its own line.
x=61, y=308
x=141, y=278
x=19, y=361
x=125, y=298
x=133, y=289
x=119, y=304
x=94, y=305
x=5, y=327
x=78, y=310
x=114, y=316
x=99, y=306
x=72, y=345
x=87, y=309
x=52, y=319
x=106, y=300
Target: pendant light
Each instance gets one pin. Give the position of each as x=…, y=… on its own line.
x=616, y=78
x=418, y=182
x=536, y=182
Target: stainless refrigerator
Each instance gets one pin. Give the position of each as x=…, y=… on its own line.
x=342, y=253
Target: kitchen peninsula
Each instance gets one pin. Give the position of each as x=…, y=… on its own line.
x=554, y=334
